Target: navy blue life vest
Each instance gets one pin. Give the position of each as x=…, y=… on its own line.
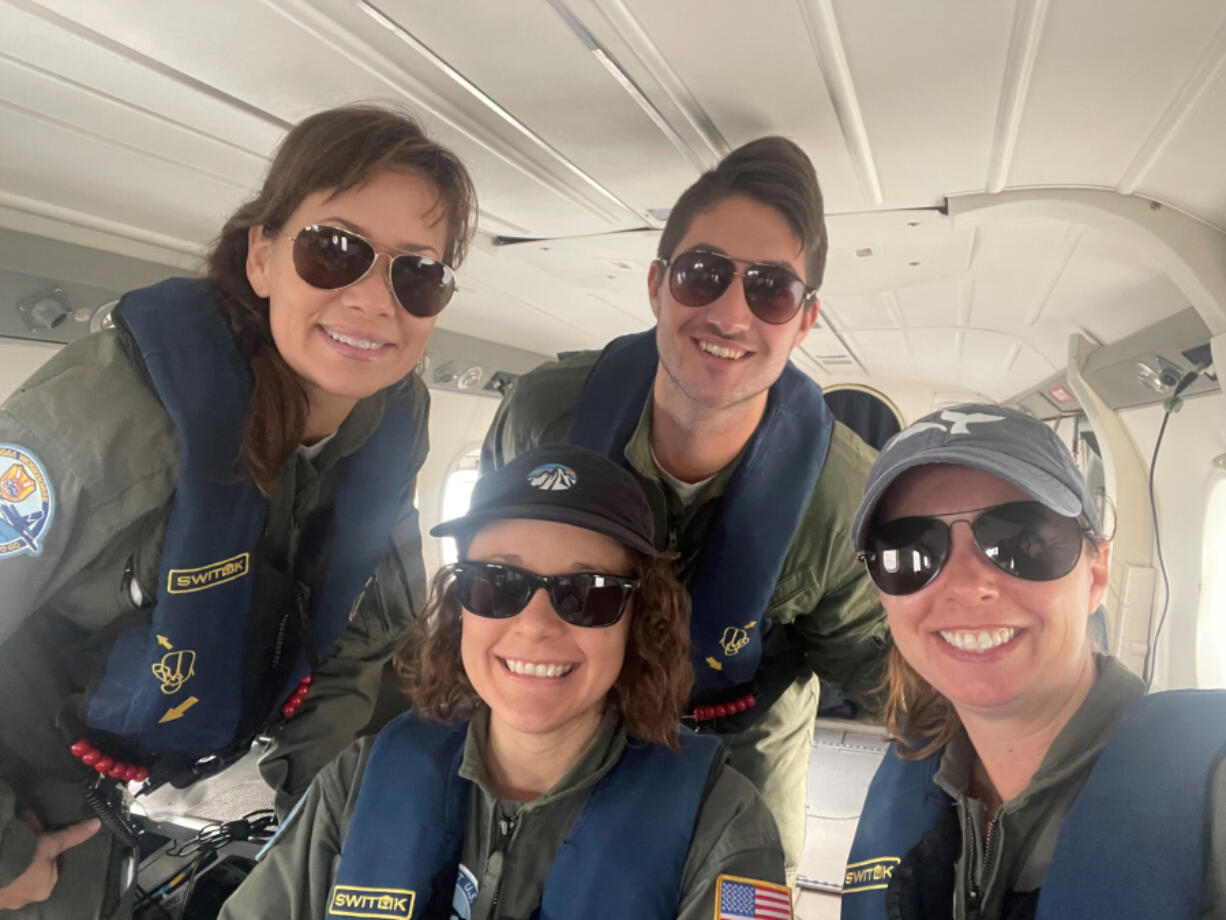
x=1132, y=847
x=180, y=680
x=762, y=505
x=405, y=839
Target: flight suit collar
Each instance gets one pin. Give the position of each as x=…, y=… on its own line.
x=601, y=755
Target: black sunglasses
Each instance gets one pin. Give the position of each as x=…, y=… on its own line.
x=330, y=258
x=774, y=294
x=582, y=599
x=1024, y=539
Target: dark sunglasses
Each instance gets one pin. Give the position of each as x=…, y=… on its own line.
x=774, y=294
x=1024, y=539
x=330, y=258
x=581, y=599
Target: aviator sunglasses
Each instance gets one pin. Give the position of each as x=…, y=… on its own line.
x=497, y=592
x=1025, y=539
x=330, y=258
x=773, y=293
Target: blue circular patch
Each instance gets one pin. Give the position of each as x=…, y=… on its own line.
x=552, y=477
x=465, y=895
x=27, y=502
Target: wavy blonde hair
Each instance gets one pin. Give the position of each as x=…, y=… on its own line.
x=651, y=690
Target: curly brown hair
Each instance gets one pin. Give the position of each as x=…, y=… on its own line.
x=337, y=149
x=651, y=691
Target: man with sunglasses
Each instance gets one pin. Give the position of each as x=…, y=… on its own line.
x=751, y=479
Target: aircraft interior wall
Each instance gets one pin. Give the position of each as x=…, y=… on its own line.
x=1185, y=476
x=18, y=360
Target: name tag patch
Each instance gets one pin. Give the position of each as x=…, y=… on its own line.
x=372, y=903
x=186, y=581
x=869, y=874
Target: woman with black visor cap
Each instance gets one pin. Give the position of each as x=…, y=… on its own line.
x=542, y=773
x=207, y=529
x=1030, y=776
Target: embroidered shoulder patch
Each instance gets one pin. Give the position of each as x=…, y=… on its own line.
x=739, y=898
x=465, y=894
x=27, y=502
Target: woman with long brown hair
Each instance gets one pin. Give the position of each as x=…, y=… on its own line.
x=207, y=528
x=543, y=772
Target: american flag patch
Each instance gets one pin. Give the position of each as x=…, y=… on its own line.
x=751, y=899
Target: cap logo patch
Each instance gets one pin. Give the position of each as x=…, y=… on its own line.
x=958, y=424
x=552, y=477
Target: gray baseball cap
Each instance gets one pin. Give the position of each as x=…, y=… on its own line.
x=1006, y=443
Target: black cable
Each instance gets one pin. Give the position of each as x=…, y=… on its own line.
x=258, y=825
x=144, y=902
x=1151, y=636
x=191, y=882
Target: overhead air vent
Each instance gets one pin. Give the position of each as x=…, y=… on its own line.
x=1139, y=370
x=500, y=382
x=466, y=364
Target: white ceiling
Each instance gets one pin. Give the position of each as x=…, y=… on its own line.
x=152, y=119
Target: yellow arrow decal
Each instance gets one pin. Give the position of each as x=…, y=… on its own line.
x=165, y=643
x=176, y=712
x=718, y=665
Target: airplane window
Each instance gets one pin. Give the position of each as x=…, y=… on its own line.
x=1211, y=622
x=867, y=412
x=457, y=491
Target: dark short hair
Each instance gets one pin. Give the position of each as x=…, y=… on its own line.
x=651, y=690
x=773, y=171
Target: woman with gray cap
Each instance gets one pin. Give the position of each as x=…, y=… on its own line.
x=1030, y=775
x=542, y=772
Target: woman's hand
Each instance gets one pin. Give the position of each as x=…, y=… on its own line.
x=38, y=881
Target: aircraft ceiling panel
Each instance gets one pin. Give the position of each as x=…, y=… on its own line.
x=928, y=87
x=1111, y=300
x=42, y=161
x=1025, y=244
x=557, y=317
x=223, y=48
x=491, y=314
x=753, y=71
x=1189, y=172
x=998, y=363
x=146, y=136
x=884, y=351
x=863, y=311
x=1102, y=81
x=944, y=303
x=528, y=59
x=103, y=72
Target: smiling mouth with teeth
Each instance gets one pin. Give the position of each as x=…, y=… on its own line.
x=351, y=341
x=720, y=351
x=529, y=669
x=978, y=640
